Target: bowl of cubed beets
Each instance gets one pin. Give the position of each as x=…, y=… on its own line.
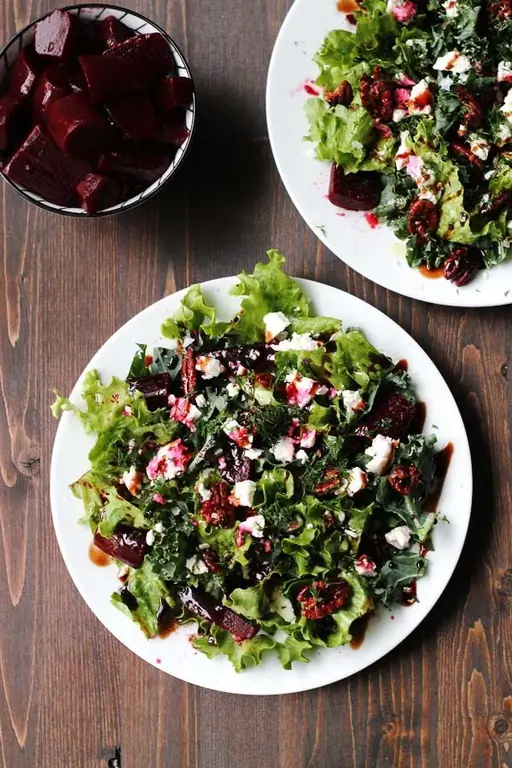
x=97, y=110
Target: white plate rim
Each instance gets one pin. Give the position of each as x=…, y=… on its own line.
x=253, y=682
x=482, y=292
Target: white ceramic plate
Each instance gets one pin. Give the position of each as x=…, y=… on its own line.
x=175, y=655
x=374, y=253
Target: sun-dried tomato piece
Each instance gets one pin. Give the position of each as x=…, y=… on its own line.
x=188, y=372
x=343, y=94
x=473, y=116
x=422, y=219
x=462, y=264
x=354, y=191
x=331, y=481
x=391, y=416
x=404, y=479
x=500, y=10
x=218, y=510
x=322, y=598
x=466, y=156
x=377, y=96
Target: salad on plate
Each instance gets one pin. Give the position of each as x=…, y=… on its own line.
x=263, y=479
x=416, y=119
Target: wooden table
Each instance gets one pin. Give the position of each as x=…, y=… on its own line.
x=70, y=693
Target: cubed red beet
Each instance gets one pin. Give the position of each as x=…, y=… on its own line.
x=136, y=118
x=354, y=191
x=152, y=50
x=24, y=73
x=141, y=164
x=175, y=92
x=56, y=34
x=109, y=76
x=52, y=85
x=41, y=167
x=111, y=31
x=10, y=118
x=88, y=40
x=77, y=127
x=98, y=192
x=174, y=130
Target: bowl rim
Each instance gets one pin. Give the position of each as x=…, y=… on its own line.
x=130, y=204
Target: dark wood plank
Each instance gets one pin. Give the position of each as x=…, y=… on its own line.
x=70, y=694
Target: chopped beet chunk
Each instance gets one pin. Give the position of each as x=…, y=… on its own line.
x=126, y=544
x=135, y=117
x=354, y=191
x=111, y=31
x=55, y=35
x=109, y=76
x=54, y=84
x=137, y=163
x=77, y=127
x=150, y=51
x=175, y=92
x=204, y=606
x=24, y=73
x=98, y=192
x=390, y=416
x=11, y=110
x=156, y=389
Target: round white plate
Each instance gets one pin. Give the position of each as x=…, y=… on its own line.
x=175, y=654
x=374, y=253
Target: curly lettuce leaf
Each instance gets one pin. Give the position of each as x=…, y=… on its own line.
x=242, y=655
x=395, y=574
x=149, y=591
x=117, y=510
x=342, y=134
x=194, y=314
x=103, y=402
x=356, y=360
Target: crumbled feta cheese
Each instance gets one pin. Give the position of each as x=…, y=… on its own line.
x=489, y=174
x=242, y=370
x=202, y=491
x=253, y=453
x=399, y=114
x=399, y=537
x=453, y=61
x=357, y=480
x=451, y=8
x=420, y=99
x=238, y=434
x=150, y=538
x=196, y=566
x=283, y=450
x=352, y=401
x=133, y=481
x=506, y=107
x=159, y=527
x=127, y=410
x=158, y=499
x=307, y=437
x=480, y=147
x=253, y=526
x=243, y=493
x=381, y=454
x=232, y=389
x=402, y=10
x=404, y=151
x=170, y=461
x=365, y=567
x=341, y=516
x=445, y=83
x=504, y=72
x=209, y=366
x=504, y=134
x=184, y=411
x=200, y=401
x=301, y=456
x=300, y=390
x=275, y=323
x=298, y=341
x=427, y=194
x=188, y=340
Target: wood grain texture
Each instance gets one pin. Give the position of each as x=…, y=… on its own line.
x=69, y=693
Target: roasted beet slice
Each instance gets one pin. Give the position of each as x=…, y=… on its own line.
x=391, y=416
x=88, y=40
x=24, y=73
x=139, y=163
x=11, y=118
x=237, y=466
x=136, y=117
x=41, y=167
x=156, y=389
x=97, y=192
x=174, y=130
x=126, y=544
x=204, y=606
x=77, y=127
x=257, y=357
x=111, y=31
x=354, y=191
x=52, y=85
x=107, y=77
x=175, y=92
x=56, y=35
x=151, y=51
